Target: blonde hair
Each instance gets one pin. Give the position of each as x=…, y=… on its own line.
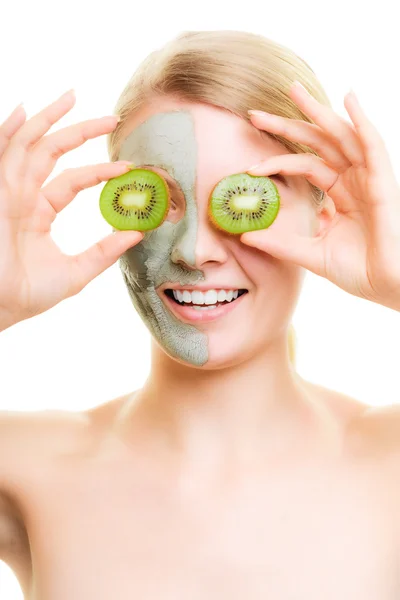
x=236, y=71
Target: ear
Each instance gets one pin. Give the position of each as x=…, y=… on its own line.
x=325, y=214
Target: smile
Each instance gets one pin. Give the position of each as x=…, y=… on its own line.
x=195, y=306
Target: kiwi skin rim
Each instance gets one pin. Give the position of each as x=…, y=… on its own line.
x=168, y=198
x=211, y=216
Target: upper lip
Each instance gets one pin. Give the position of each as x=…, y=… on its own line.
x=203, y=287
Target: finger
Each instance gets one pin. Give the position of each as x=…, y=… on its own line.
x=376, y=155
x=11, y=126
x=87, y=265
x=305, y=133
x=303, y=251
x=50, y=148
x=315, y=170
x=27, y=135
x=342, y=131
x=64, y=188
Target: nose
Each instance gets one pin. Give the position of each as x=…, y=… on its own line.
x=197, y=244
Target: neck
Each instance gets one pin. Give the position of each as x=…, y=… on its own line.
x=233, y=415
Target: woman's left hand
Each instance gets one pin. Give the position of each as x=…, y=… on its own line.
x=360, y=249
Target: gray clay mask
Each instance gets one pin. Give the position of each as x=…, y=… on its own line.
x=166, y=140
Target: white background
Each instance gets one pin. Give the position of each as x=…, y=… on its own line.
x=92, y=348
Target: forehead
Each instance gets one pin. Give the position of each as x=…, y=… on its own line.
x=226, y=143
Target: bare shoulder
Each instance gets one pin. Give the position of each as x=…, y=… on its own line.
x=370, y=431
x=377, y=430
x=32, y=440
x=28, y=440
x=27, y=437
x=24, y=436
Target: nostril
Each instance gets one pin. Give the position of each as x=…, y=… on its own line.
x=181, y=255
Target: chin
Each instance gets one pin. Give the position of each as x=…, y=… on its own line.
x=228, y=353
x=221, y=355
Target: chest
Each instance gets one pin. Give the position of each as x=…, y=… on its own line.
x=310, y=537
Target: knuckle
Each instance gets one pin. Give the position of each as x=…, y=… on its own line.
x=5, y=138
x=79, y=133
x=26, y=134
x=76, y=186
x=23, y=138
x=46, y=118
x=309, y=159
x=97, y=178
x=53, y=147
x=66, y=178
x=84, y=135
x=99, y=252
x=284, y=129
x=80, y=179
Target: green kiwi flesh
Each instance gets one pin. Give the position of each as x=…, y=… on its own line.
x=243, y=202
x=137, y=200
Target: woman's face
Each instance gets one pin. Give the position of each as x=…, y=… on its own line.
x=194, y=146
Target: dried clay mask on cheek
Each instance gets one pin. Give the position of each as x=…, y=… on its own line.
x=166, y=140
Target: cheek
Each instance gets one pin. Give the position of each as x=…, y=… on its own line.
x=276, y=284
x=259, y=267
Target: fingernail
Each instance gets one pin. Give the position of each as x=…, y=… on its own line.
x=254, y=167
x=70, y=92
x=257, y=113
x=267, y=117
x=126, y=163
x=301, y=86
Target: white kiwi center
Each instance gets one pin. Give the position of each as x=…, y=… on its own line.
x=138, y=199
x=246, y=201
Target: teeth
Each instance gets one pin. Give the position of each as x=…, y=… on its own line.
x=210, y=297
x=197, y=297
x=222, y=296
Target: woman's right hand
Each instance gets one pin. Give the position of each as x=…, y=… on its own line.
x=34, y=274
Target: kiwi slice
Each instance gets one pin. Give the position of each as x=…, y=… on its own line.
x=243, y=202
x=137, y=200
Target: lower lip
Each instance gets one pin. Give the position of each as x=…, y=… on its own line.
x=203, y=316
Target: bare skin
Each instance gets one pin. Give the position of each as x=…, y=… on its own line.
x=89, y=517
x=287, y=490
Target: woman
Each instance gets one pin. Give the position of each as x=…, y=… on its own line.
x=227, y=475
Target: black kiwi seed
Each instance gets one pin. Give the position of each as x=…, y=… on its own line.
x=242, y=202
x=137, y=200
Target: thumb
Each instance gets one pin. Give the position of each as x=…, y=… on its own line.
x=96, y=259
x=300, y=250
